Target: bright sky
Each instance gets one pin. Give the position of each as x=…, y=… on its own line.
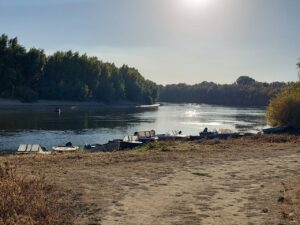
x=168, y=41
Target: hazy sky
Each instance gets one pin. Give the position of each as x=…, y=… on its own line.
x=168, y=41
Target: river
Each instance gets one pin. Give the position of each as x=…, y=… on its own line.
x=89, y=126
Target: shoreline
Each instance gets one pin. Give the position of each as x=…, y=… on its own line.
x=9, y=104
x=16, y=104
x=252, y=137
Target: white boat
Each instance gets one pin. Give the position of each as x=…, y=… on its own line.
x=146, y=136
x=65, y=148
x=148, y=106
x=174, y=134
x=30, y=149
x=132, y=139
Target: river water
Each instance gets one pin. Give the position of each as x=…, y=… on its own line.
x=89, y=126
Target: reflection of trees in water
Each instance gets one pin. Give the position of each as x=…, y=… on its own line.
x=83, y=120
x=251, y=118
x=249, y=121
x=72, y=119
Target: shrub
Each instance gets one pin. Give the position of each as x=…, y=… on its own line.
x=284, y=109
x=29, y=201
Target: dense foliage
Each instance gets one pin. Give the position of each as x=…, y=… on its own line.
x=31, y=75
x=284, y=109
x=244, y=92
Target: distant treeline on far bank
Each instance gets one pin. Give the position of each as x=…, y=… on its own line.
x=244, y=92
x=30, y=75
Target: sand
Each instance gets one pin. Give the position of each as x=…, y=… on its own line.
x=208, y=182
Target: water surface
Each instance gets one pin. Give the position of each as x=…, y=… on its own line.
x=83, y=126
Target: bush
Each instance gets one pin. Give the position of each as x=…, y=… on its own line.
x=29, y=201
x=284, y=109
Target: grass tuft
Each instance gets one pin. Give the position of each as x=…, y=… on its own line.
x=29, y=200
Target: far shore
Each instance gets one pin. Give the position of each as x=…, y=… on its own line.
x=11, y=104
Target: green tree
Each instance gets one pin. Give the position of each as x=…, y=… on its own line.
x=30, y=75
x=245, y=80
x=12, y=60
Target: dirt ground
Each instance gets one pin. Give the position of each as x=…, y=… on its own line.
x=252, y=180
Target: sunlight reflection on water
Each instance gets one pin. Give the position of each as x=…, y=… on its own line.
x=191, y=113
x=98, y=126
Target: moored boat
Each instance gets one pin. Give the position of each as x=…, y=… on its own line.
x=223, y=134
x=66, y=148
x=276, y=130
x=128, y=142
x=148, y=106
x=146, y=136
x=173, y=135
x=31, y=149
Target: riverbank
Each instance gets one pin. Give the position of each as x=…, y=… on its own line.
x=253, y=180
x=9, y=104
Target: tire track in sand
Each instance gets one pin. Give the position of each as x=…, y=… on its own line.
x=232, y=192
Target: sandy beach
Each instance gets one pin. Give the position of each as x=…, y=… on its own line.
x=253, y=180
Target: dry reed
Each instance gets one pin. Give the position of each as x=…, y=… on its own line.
x=30, y=200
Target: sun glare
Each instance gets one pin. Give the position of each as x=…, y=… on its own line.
x=194, y=3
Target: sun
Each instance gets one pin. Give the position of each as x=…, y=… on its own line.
x=196, y=3
x=193, y=3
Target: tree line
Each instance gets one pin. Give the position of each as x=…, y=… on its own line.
x=30, y=75
x=244, y=92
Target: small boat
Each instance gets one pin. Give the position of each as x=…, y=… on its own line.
x=276, y=130
x=67, y=148
x=108, y=147
x=146, y=136
x=208, y=134
x=173, y=135
x=148, y=106
x=224, y=134
x=128, y=142
x=30, y=149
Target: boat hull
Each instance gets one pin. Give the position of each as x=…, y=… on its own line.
x=65, y=149
x=149, y=106
x=114, y=146
x=276, y=130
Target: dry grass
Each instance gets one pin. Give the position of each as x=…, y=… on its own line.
x=283, y=138
x=98, y=182
x=29, y=200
